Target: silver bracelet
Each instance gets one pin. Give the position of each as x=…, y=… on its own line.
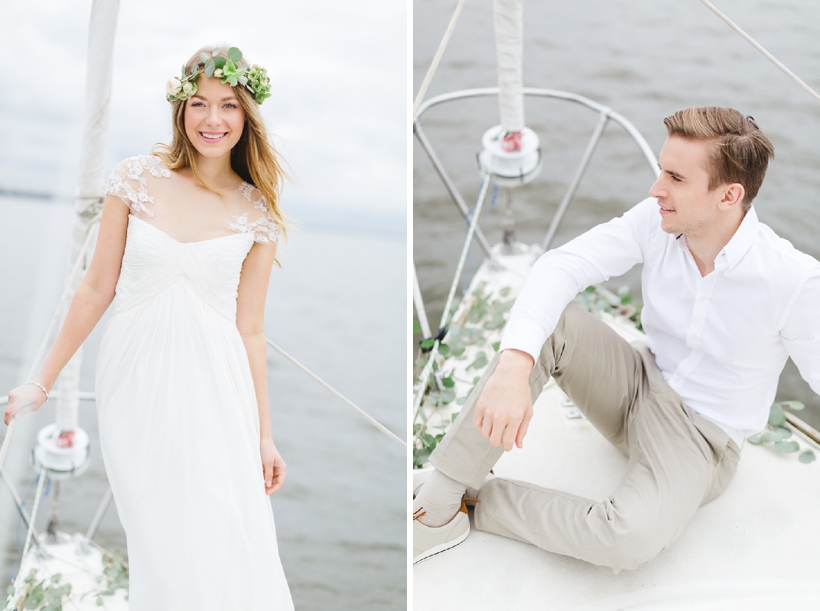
x=40, y=386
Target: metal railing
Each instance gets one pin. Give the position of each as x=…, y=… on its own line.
x=605, y=115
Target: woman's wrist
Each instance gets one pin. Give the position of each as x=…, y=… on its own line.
x=43, y=378
x=40, y=386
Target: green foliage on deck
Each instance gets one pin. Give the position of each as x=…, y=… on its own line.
x=776, y=432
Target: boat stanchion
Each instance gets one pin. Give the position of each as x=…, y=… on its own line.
x=95, y=523
x=18, y=502
x=37, y=496
x=458, y=200
x=576, y=180
x=51, y=527
x=418, y=302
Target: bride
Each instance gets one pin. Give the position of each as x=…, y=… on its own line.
x=186, y=243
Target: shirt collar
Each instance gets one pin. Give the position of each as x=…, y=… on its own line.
x=744, y=237
x=738, y=245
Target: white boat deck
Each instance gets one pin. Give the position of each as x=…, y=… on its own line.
x=757, y=546
x=75, y=564
x=754, y=547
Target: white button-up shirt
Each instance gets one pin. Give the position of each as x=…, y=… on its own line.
x=720, y=340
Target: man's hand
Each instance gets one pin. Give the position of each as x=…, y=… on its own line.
x=504, y=408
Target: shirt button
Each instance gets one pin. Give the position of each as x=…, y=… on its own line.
x=703, y=299
x=693, y=338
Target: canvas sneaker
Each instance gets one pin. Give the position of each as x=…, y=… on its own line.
x=429, y=541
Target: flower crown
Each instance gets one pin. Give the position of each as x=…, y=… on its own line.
x=254, y=79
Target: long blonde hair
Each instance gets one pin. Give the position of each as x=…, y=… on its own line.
x=253, y=157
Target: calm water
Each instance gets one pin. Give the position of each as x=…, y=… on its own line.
x=645, y=60
x=338, y=305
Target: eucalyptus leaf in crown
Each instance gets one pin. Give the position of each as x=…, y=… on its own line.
x=254, y=79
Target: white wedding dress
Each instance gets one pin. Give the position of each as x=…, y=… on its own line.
x=178, y=419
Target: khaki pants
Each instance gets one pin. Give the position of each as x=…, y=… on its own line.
x=678, y=460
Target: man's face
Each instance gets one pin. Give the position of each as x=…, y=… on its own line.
x=687, y=205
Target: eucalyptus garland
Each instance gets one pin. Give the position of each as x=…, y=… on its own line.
x=254, y=78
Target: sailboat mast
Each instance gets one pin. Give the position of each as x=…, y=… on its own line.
x=88, y=202
x=509, y=46
x=511, y=154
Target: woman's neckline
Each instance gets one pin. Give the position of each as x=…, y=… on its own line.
x=173, y=239
x=238, y=187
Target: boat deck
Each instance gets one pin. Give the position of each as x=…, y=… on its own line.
x=754, y=547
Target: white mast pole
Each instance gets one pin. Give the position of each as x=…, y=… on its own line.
x=88, y=203
x=509, y=45
x=511, y=152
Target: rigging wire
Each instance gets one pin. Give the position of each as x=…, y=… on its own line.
x=437, y=58
x=335, y=392
x=760, y=48
x=472, y=268
x=445, y=316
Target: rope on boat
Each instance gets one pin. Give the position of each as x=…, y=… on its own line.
x=335, y=392
x=74, y=271
x=760, y=48
x=437, y=58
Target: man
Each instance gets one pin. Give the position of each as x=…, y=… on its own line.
x=726, y=302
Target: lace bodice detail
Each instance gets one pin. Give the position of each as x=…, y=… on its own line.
x=264, y=228
x=130, y=182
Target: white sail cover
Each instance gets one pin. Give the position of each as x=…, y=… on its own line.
x=509, y=44
x=100, y=61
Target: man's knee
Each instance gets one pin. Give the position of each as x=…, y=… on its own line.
x=572, y=325
x=630, y=552
x=553, y=348
x=629, y=539
x=572, y=316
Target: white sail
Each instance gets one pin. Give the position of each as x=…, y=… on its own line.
x=90, y=186
x=509, y=45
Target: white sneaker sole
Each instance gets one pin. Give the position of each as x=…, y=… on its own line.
x=441, y=548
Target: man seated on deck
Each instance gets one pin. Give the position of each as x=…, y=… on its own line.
x=726, y=302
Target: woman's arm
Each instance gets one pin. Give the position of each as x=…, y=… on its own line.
x=250, y=320
x=91, y=299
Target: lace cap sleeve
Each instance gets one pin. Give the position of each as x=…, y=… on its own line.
x=260, y=222
x=128, y=181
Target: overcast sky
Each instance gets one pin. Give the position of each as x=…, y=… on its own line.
x=337, y=68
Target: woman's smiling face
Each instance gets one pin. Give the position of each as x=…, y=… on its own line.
x=214, y=118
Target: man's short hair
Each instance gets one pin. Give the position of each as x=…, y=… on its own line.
x=741, y=152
